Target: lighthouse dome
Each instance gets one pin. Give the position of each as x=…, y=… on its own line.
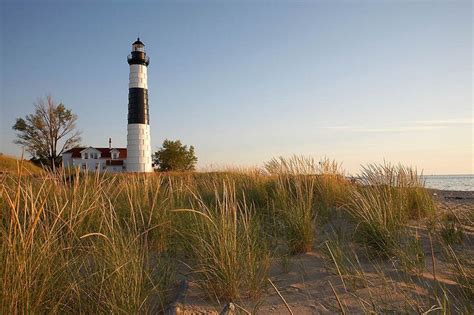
x=138, y=42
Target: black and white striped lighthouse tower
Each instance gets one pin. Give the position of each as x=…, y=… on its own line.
x=138, y=129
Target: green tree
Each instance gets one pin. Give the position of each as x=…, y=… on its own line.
x=174, y=156
x=48, y=132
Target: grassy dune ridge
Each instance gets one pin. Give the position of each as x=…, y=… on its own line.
x=88, y=243
x=11, y=165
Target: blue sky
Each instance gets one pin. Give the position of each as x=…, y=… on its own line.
x=243, y=81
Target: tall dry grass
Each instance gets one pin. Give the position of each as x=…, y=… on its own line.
x=294, y=165
x=10, y=165
x=293, y=201
x=305, y=191
x=332, y=188
x=389, y=197
x=98, y=243
x=230, y=258
x=65, y=248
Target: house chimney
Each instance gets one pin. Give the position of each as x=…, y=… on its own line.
x=110, y=143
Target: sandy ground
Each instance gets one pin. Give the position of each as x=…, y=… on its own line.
x=456, y=200
x=310, y=285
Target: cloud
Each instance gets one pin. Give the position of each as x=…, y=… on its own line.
x=380, y=130
x=409, y=126
x=446, y=122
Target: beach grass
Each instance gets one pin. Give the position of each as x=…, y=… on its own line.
x=388, y=197
x=229, y=254
x=11, y=165
x=74, y=242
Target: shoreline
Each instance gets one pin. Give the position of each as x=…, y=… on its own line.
x=452, y=195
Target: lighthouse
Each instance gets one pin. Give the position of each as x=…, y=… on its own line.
x=138, y=128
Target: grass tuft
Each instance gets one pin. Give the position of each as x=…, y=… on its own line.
x=231, y=260
x=390, y=196
x=294, y=210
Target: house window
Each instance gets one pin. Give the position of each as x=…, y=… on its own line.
x=86, y=156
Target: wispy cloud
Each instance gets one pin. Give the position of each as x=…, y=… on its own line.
x=409, y=126
x=380, y=130
x=446, y=122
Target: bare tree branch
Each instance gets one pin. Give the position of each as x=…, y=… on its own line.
x=50, y=127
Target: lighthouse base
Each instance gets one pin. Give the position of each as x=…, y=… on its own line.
x=138, y=148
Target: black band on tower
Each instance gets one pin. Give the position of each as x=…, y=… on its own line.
x=138, y=106
x=138, y=58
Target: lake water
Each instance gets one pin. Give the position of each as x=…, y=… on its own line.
x=450, y=182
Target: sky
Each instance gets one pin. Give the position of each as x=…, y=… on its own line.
x=244, y=81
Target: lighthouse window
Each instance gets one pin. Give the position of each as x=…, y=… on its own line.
x=138, y=48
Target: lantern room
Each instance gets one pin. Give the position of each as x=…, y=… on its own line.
x=138, y=46
x=138, y=55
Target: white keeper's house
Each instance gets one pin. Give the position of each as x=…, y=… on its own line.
x=136, y=157
x=96, y=159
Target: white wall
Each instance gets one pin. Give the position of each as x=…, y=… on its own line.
x=91, y=164
x=138, y=77
x=67, y=160
x=138, y=148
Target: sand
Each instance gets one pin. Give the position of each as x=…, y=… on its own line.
x=311, y=285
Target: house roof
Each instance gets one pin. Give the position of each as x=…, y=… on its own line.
x=90, y=149
x=104, y=152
